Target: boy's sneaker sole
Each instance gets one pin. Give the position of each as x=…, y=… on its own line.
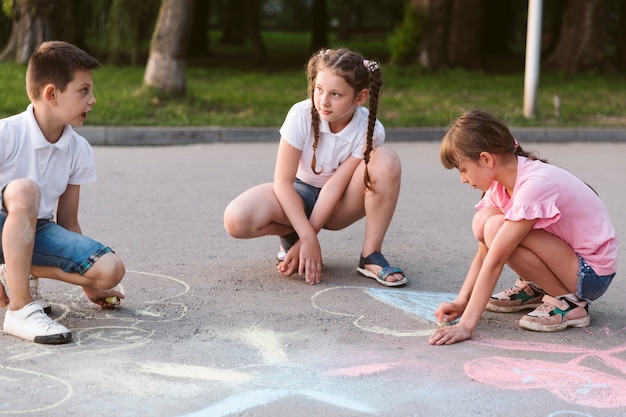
x=32, y=324
x=555, y=315
x=521, y=296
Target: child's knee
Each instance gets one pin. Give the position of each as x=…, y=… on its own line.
x=234, y=222
x=384, y=163
x=108, y=271
x=484, y=222
x=22, y=195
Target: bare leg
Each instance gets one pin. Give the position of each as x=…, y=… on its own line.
x=542, y=258
x=378, y=206
x=21, y=200
x=98, y=282
x=255, y=213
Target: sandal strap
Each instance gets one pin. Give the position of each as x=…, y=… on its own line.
x=389, y=270
x=375, y=258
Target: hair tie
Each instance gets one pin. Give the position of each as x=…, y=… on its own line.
x=323, y=52
x=370, y=65
x=515, y=144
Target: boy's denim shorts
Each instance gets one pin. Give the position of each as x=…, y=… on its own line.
x=58, y=247
x=590, y=285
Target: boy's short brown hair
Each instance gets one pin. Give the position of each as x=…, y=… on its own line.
x=55, y=62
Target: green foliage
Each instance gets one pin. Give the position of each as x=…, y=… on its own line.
x=405, y=40
x=227, y=89
x=7, y=8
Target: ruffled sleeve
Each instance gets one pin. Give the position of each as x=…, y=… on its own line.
x=544, y=213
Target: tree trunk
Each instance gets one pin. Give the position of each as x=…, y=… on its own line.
x=166, y=64
x=319, y=28
x=465, y=37
x=32, y=25
x=199, y=44
x=254, y=31
x=581, y=45
x=433, y=51
x=620, y=40
x=233, y=27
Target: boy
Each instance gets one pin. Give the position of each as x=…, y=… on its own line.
x=43, y=163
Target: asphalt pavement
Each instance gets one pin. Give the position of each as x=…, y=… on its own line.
x=209, y=328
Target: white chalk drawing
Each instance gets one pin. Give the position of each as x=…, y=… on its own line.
x=122, y=330
x=51, y=391
x=271, y=375
x=277, y=377
x=418, y=307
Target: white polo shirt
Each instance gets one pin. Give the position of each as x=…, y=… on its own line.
x=25, y=153
x=332, y=148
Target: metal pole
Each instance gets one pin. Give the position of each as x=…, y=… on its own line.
x=533, y=56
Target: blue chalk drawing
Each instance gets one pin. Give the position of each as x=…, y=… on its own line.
x=422, y=304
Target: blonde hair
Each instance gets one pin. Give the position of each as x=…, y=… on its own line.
x=360, y=74
x=55, y=62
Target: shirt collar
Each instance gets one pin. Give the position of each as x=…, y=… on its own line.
x=37, y=138
x=349, y=133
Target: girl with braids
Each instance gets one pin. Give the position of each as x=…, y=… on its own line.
x=549, y=227
x=331, y=171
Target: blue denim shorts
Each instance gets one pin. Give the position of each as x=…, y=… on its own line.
x=308, y=194
x=58, y=247
x=591, y=286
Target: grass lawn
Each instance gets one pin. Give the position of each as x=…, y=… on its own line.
x=227, y=89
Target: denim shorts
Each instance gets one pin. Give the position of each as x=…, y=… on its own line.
x=590, y=285
x=58, y=247
x=308, y=194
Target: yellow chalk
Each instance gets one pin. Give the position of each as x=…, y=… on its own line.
x=111, y=300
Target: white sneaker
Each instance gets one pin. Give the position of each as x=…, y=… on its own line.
x=37, y=298
x=34, y=290
x=32, y=324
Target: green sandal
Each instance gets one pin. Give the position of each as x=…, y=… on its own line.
x=377, y=258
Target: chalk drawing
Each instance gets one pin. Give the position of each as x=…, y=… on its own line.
x=51, y=391
x=155, y=301
x=277, y=377
x=568, y=413
x=420, y=306
x=571, y=381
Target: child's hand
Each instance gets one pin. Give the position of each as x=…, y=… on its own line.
x=289, y=266
x=104, y=298
x=447, y=312
x=311, y=261
x=448, y=335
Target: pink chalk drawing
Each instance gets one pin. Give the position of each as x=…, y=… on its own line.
x=571, y=381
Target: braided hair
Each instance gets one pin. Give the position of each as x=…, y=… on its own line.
x=360, y=74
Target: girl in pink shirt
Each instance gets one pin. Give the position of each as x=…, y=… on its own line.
x=549, y=226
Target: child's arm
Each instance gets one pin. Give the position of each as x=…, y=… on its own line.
x=309, y=263
x=332, y=192
x=67, y=209
x=505, y=242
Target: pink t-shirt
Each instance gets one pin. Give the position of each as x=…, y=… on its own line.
x=563, y=205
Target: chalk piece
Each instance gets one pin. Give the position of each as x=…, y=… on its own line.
x=111, y=300
x=442, y=324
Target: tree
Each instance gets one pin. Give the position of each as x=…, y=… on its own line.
x=319, y=28
x=32, y=25
x=166, y=66
x=451, y=30
x=584, y=36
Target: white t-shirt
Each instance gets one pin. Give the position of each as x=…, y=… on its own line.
x=25, y=153
x=332, y=148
